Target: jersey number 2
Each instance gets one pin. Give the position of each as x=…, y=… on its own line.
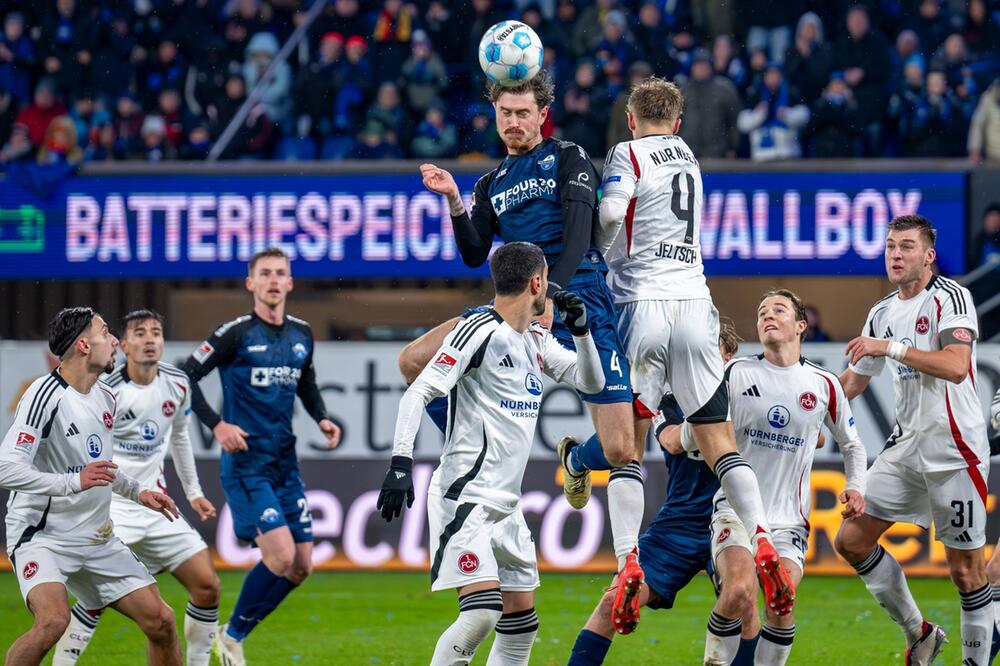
x=304, y=506
x=684, y=214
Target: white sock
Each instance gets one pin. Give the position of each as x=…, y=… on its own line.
x=626, y=502
x=996, y=606
x=200, y=627
x=478, y=613
x=977, y=620
x=774, y=646
x=515, y=635
x=74, y=641
x=722, y=640
x=885, y=580
x=739, y=484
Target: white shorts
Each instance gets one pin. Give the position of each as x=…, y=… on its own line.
x=96, y=575
x=471, y=543
x=672, y=344
x=951, y=499
x=160, y=544
x=728, y=530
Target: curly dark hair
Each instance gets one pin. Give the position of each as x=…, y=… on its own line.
x=540, y=85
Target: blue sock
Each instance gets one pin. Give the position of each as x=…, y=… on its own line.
x=748, y=646
x=437, y=409
x=588, y=455
x=262, y=591
x=589, y=649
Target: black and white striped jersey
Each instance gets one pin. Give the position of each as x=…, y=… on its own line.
x=939, y=425
x=56, y=432
x=492, y=377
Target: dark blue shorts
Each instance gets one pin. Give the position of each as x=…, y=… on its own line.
x=670, y=558
x=592, y=287
x=260, y=504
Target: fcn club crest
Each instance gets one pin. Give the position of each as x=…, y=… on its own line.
x=808, y=401
x=169, y=408
x=29, y=571
x=468, y=563
x=923, y=325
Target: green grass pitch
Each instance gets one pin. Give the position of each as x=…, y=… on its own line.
x=392, y=618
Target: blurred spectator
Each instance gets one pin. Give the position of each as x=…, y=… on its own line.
x=45, y=107
x=931, y=24
x=18, y=146
x=616, y=41
x=423, y=75
x=565, y=25
x=244, y=21
x=206, y=77
x=60, y=144
x=984, y=131
x=316, y=87
x=769, y=27
x=106, y=147
x=814, y=326
x=114, y=52
x=394, y=25
x=584, y=106
x=155, y=146
x=434, y=136
x=275, y=93
x=389, y=113
x=980, y=32
x=711, y=105
x=653, y=39
x=479, y=138
x=170, y=109
x=589, y=28
x=987, y=242
x=197, y=143
x=726, y=62
x=373, y=143
x=618, y=130
x=339, y=16
x=17, y=57
x=128, y=121
x=773, y=118
x=8, y=114
x=907, y=47
x=863, y=55
x=88, y=115
x=832, y=131
x=255, y=136
x=809, y=62
x=67, y=43
x=354, y=81
x=904, y=102
x=446, y=33
x=717, y=17
x=938, y=123
x=953, y=59
x=165, y=70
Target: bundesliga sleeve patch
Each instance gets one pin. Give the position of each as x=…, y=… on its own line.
x=203, y=351
x=444, y=363
x=24, y=442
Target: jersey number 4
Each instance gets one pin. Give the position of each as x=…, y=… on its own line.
x=684, y=214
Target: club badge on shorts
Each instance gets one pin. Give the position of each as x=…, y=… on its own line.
x=468, y=563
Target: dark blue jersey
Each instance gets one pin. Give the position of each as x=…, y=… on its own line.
x=547, y=197
x=262, y=367
x=691, y=485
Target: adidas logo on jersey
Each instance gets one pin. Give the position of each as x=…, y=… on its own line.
x=753, y=392
x=128, y=416
x=964, y=537
x=72, y=430
x=506, y=362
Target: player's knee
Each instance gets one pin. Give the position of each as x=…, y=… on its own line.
x=480, y=621
x=967, y=573
x=618, y=449
x=206, y=592
x=993, y=571
x=852, y=544
x=299, y=571
x=52, y=625
x=160, y=625
x=737, y=594
x=280, y=561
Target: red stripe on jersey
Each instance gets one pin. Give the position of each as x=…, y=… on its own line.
x=629, y=214
x=808, y=527
x=641, y=410
x=635, y=162
x=936, y=301
x=970, y=458
x=972, y=374
x=832, y=405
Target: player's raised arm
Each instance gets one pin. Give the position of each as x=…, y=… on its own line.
x=581, y=370
x=473, y=232
x=620, y=178
x=217, y=350
x=577, y=181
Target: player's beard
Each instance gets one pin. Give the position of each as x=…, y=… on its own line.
x=520, y=141
x=538, y=305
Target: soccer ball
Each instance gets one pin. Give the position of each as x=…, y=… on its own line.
x=510, y=52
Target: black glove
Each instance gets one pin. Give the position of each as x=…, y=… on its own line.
x=572, y=311
x=398, y=485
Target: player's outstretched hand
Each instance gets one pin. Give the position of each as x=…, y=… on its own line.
x=204, y=508
x=438, y=180
x=160, y=503
x=332, y=432
x=232, y=438
x=855, y=504
x=98, y=473
x=397, y=487
x=572, y=311
x=862, y=346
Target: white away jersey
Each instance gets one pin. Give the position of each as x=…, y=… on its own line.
x=492, y=377
x=55, y=433
x=939, y=425
x=656, y=182
x=778, y=414
x=150, y=419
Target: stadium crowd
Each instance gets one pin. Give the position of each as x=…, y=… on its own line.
x=153, y=80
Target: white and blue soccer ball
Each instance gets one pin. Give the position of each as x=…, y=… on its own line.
x=510, y=53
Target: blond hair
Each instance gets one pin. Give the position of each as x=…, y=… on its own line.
x=654, y=99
